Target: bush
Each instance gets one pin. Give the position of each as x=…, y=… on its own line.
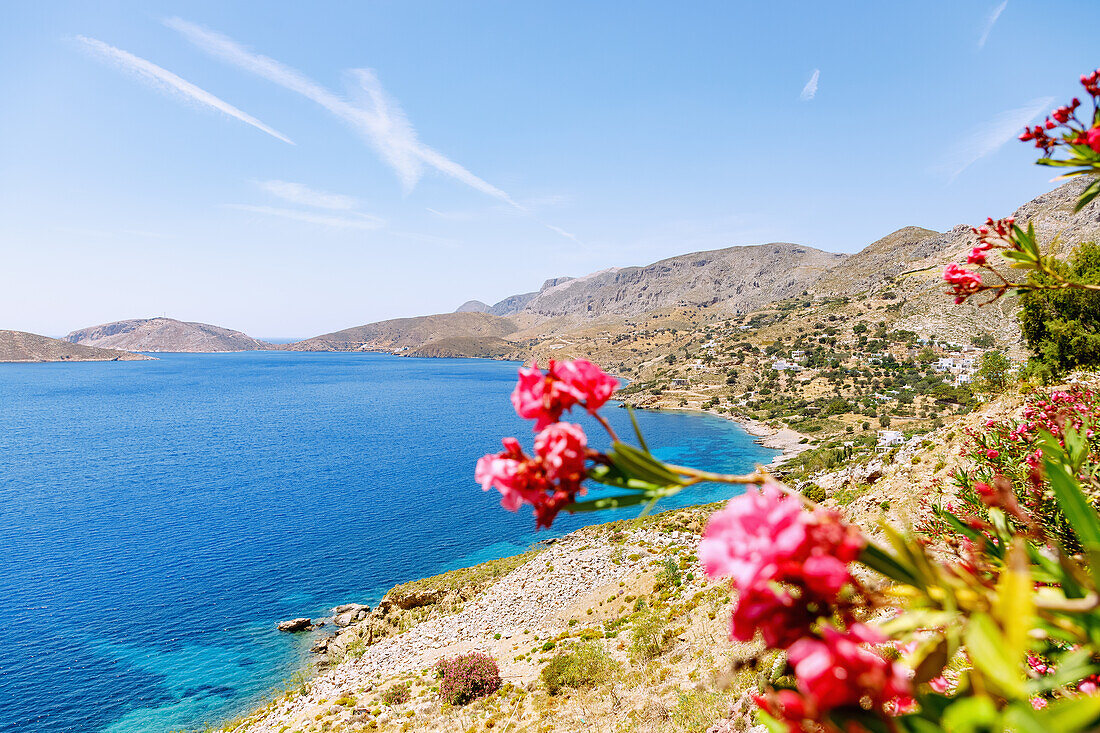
x=669, y=575
x=467, y=677
x=586, y=665
x=397, y=694
x=814, y=493
x=648, y=640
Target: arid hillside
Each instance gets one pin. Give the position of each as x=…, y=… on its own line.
x=20, y=346
x=165, y=334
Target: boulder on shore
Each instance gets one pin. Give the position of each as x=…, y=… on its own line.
x=295, y=625
x=349, y=613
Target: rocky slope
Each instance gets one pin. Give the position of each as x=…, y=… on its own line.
x=20, y=346
x=734, y=280
x=165, y=334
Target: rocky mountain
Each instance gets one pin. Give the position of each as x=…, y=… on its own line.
x=20, y=346
x=165, y=334
x=735, y=279
x=879, y=261
x=473, y=306
x=413, y=333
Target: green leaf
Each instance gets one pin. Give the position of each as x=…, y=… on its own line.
x=1080, y=514
x=1088, y=195
x=1015, y=602
x=933, y=658
x=878, y=559
x=1019, y=716
x=618, y=502
x=638, y=464
x=989, y=653
x=970, y=715
x=611, y=476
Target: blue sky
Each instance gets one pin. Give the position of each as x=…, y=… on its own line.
x=225, y=162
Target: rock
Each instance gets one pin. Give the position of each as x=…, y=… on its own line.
x=295, y=625
x=406, y=598
x=349, y=613
x=321, y=646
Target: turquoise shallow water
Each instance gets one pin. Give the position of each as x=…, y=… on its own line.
x=157, y=518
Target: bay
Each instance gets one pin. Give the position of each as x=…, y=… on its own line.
x=158, y=518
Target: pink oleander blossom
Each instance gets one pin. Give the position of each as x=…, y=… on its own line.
x=548, y=482
x=543, y=397
x=963, y=282
x=780, y=618
x=765, y=535
x=839, y=670
x=590, y=384
x=561, y=446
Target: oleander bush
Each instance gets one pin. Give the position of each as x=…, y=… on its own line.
x=988, y=622
x=467, y=677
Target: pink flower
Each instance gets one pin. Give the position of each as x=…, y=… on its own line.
x=561, y=446
x=939, y=684
x=1092, y=138
x=764, y=537
x=750, y=537
x=541, y=397
x=976, y=257
x=544, y=397
x=992, y=454
x=780, y=618
x=590, y=384
x=840, y=670
x=964, y=283
x=548, y=482
x=1038, y=702
x=512, y=474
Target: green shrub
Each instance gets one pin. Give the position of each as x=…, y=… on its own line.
x=813, y=492
x=669, y=575
x=586, y=665
x=397, y=694
x=648, y=640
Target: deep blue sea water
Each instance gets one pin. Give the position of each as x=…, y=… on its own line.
x=157, y=518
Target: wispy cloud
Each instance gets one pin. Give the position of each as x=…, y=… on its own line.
x=298, y=193
x=379, y=118
x=987, y=138
x=810, y=90
x=989, y=21
x=167, y=81
x=351, y=220
x=372, y=113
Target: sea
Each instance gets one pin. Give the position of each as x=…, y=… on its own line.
x=157, y=518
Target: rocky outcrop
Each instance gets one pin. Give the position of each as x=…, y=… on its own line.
x=349, y=613
x=167, y=335
x=295, y=625
x=20, y=346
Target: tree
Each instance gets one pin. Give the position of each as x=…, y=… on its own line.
x=1062, y=327
x=993, y=370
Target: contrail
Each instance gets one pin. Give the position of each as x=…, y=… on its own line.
x=169, y=82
